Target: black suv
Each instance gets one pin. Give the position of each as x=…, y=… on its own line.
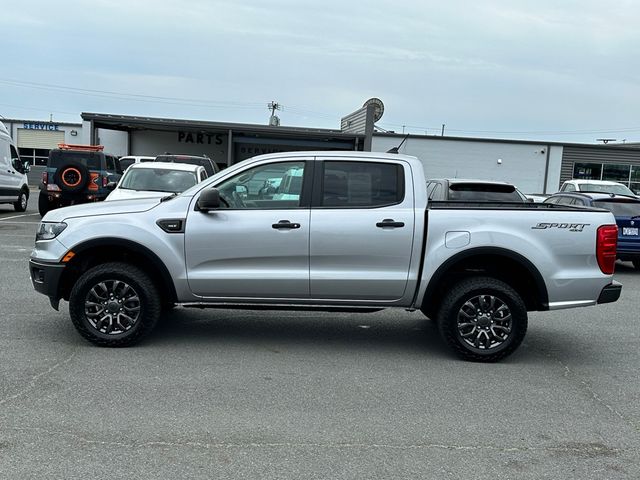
x=210, y=167
x=77, y=174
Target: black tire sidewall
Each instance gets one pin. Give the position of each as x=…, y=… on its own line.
x=43, y=204
x=467, y=289
x=84, y=177
x=18, y=205
x=138, y=280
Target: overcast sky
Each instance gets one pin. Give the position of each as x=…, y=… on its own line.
x=549, y=70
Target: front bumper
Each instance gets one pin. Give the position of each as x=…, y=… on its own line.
x=610, y=293
x=45, y=278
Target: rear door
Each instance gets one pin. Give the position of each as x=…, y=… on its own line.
x=5, y=170
x=362, y=227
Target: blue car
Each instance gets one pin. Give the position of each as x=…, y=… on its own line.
x=625, y=208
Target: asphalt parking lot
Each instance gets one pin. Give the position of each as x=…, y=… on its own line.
x=234, y=394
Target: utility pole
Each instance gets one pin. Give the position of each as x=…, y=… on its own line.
x=442, y=133
x=274, y=121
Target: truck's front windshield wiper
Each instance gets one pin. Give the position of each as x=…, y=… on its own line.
x=169, y=197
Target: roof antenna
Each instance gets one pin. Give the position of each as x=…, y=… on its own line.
x=397, y=149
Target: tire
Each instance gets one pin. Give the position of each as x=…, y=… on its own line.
x=23, y=200
x=116, y=324
x=478, y=328
x=43, y=204
x=72, y=177
x=636, y=264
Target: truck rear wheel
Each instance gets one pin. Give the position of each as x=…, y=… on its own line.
x=482, y=319
x=114, y=305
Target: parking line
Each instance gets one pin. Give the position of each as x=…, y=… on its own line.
x=19, y=216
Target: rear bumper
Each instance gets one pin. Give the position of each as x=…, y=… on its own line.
x=610, y=293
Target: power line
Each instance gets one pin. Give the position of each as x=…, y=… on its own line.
x=109, y=93
x=156, y=99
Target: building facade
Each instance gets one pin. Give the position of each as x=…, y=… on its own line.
x=534, y=167
x=224, y=143
x=34, y=138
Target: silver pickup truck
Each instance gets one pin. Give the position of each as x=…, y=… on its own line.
x=333, y=231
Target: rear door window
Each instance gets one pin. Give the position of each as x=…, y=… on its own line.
x=361, y=184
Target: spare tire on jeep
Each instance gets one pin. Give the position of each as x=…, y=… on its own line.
x=72, y=177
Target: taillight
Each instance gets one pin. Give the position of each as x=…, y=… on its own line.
x=105, y=180
x=45, y=178
x=606, y=243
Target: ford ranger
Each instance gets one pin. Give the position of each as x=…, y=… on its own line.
x=335, y=231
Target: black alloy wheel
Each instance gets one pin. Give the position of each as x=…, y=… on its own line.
x=482, y=319
x=114, y=305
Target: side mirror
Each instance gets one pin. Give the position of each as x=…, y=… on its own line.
x=209, y=200
x=111, y=185
x=27, y=166
x=530, y=200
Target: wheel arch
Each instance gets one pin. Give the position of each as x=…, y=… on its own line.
x=503, y=264
x=97, y=251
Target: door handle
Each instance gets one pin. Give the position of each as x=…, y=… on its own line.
x=389, y=223
x=285, y=224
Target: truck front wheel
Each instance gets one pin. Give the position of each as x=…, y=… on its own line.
x=482, y=319
x=114, y=305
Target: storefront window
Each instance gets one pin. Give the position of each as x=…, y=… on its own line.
x=587, y=171
x=616, y=173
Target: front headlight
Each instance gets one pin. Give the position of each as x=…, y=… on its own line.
x=49, y=230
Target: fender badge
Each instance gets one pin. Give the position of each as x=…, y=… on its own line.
x=572, y=227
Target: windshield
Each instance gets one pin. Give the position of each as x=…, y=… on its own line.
x=597, y=187
x=623, y=208
x=91, y=160
x=479, y=192
x=157, y=180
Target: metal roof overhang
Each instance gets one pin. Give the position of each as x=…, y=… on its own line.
x=240, y=130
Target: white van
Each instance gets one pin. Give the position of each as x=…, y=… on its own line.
x=14, y=187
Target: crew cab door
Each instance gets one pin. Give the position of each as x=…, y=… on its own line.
x=257, y=245
x=362, y=228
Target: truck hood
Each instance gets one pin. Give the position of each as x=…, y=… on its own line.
x=101, y=208
x=122, y=194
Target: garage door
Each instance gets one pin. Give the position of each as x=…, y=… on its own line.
x=39, y=139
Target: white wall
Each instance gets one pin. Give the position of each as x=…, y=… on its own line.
x=521, y=164
x=149, y=142
x=115, y=142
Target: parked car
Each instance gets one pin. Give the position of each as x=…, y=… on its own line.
x=76, y=174
x=596, y=186
x=626, y=211
x=156, y=180
x=536, y=197
x=454, y=189
x=351, y=237
x=205, y=162
x=127, y=161
x=14, y=187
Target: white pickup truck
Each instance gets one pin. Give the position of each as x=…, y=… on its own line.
x=337, y=231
